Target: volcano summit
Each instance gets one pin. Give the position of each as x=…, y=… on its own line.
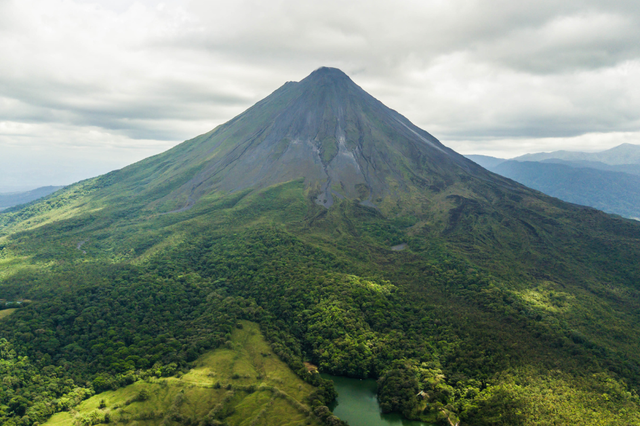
x=326, y=130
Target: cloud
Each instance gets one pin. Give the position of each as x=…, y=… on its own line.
x=481, y=75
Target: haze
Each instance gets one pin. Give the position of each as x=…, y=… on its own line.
x=90, y=86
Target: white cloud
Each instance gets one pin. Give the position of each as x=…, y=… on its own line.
x=126, y=78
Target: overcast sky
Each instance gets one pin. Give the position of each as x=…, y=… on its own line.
x=87, y=86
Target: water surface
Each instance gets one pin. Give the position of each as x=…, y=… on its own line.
x=358, y=404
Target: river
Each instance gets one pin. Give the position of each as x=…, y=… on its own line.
x=358, y=404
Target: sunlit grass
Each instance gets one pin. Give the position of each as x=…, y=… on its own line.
x=6, y=312
x=245, y=381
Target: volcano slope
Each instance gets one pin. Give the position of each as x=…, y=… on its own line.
x=505, y=306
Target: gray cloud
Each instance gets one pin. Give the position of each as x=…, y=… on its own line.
x=115, y=80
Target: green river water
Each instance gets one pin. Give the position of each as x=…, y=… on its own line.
x=358, y=404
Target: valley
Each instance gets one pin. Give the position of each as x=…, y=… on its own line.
x=608, y=180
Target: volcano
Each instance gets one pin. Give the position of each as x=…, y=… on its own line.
x=348, y=238
x=325, y=129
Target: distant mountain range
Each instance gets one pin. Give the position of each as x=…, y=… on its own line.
x=16, y=198
x=622, y=154
x=607, y=180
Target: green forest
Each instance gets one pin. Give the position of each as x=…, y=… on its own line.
x=118, y=293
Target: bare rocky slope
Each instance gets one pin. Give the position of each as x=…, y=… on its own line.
x=324, y=129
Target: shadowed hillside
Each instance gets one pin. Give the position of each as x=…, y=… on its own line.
x=610, y=188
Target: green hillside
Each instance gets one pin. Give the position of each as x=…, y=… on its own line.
x=242, y=383
x=505, y=307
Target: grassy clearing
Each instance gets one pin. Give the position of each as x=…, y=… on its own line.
x=243, y=384
x=6, y=312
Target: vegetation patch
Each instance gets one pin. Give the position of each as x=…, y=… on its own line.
x=466, y=314
x=240, y=384
x=6, y=312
